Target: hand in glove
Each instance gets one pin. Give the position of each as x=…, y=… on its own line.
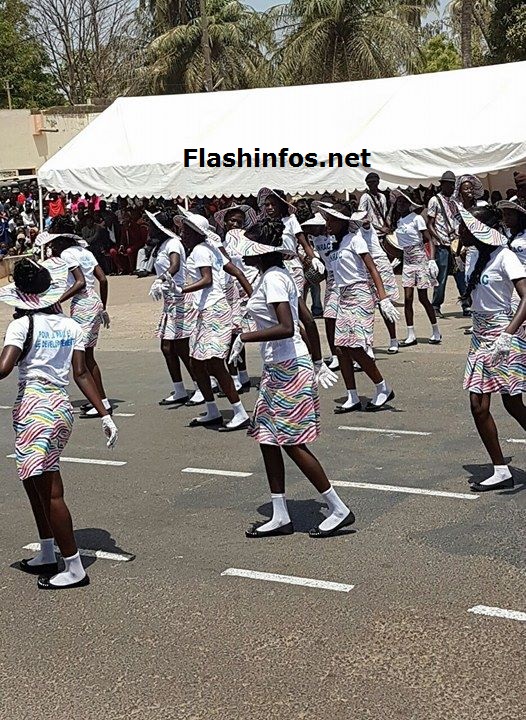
x=433, y=269
x=105, y=318
x=110, y=431
x=324, y=377
x=388, y=310
x=156, y=290
x=501, y=348
x=235, y=353
x=317, y=264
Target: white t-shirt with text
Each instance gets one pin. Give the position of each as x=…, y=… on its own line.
x=409, y=230
x=494, y=291
x=349, y=268
x=207, y=255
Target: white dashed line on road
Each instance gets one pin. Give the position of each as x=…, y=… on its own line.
x=86, y=461
x=516, y=440
x=208, y=471
x=498, y=612
x=288, y=579
x=401, y=489
x=384, y=431
x=100, y=554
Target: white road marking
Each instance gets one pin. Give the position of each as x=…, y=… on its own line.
x=207, y=471
x=100, y=554
x=289, y=579
x=123, y=414
x=385, y=431
x=401, y=489
x=6, y=407
x=86, y=461
x=516, y=440
x=498, y=612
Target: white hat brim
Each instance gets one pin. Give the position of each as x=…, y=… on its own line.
x=58, y=270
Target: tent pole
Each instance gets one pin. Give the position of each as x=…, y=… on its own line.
x=41, y=216
x=346, y=196
x=186, y=202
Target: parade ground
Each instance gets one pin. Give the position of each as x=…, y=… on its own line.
x=418, y=613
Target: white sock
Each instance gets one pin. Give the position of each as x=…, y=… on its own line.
x=72, y=573
x=352, y=398
x=179, y=391
x=280, y=513
x=46, y=554
x=410, y=333
x=393, y=343
x=500, y=473
x=436, y=332
x=197, y=397
x=211, y=413
x=240, y=415
x=244, y=376
x=334, y=363
x=106, y=403
x=381, y=393
x=370, y=352
x=214, y=384
x=338, y=510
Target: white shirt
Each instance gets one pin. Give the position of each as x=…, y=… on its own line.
x=376, y=208
x=373, y=243
x=54, y=339
x=495, y=289
x=290, y=241
x=518, y=245
x=206, y=255
x=409, y=230
x=276, y=285
x=162, y=261
x=78, y=257
x=349, y=268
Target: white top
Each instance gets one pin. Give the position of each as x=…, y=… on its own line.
x=349, y=268
x=54, y=339
x=276, y=285
x=206, y=255
x=495, y=289
x=324, y=246
x=518, y=245
x=162, y=261
x=373, y=243
x=249, y=271
x=78, y=257
x=376, y=208
x=409, y=230
x=290, y=241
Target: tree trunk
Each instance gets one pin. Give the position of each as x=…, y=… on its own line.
x=466, y=23
x=205, y=44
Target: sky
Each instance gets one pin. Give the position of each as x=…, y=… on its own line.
x=265, y=4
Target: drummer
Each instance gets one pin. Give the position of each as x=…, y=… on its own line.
x=374, y=203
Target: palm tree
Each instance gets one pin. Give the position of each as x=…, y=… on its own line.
x=238, y=38
x=338, y=40
x=466, y=23
x=471, y=19
x=167, y=13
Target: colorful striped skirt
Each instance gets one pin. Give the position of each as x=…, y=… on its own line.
x=42, y=420
x=388, y=278
x=330, y=301
x=508, y=377
x=86, y=310
x=287, y=411
x=178, y=318
x=355, y=318
x=297, y=274
x=213, y=332
x=415, y=271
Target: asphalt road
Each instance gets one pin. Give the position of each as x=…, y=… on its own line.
x=167, y=636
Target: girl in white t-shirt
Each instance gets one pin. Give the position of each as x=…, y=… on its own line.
x=355, y=315
x=514, y=217
x=496, y=360
x=179, y=316
x=45, y=344
x=411, y=232
x=210, y=341
x=286, y=414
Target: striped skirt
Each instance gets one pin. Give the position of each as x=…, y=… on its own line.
x=507, y=377
x=86, y=310
x=330, y=301
x=178, y=318
x=297, y=274
x=213, y=332
x=287, y=411
x=415, y=271
x=42, y=420
x=388, y=278
x=355, y=318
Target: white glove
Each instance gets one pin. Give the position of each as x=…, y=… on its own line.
x=395, y=263
x=105, y=318
x=317, y=264
x=324, y=377
x=235, y=353
x=388, y=310
x=433, y=269
x=110, y=430
x=156, y=290
x=501, y=348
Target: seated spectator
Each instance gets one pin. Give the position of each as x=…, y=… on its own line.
x=56, y=204
x=28, y=216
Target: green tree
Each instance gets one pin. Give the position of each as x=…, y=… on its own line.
x=23, y=62
x=507, y=33
x=439, y=54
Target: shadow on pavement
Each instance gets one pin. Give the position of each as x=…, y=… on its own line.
x=305, y=515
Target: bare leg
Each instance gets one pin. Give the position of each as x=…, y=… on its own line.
x=182, y=348
x=426, y=304
x=391, y=328
x=480, y=409
x=202, y=379
x=95, y=371
x=408, y=306
x=171, y=357
x=279, y=523
x=366, y=363
x=218, y=369
x=309, y=466
x=51, y=491
x=39, y=513
x=274, y=467
x=346, y=367
x=514, y=405
x=330, y=327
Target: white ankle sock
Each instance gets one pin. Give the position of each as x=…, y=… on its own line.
x=334, y=363
x=211, y=413
x=72, y=573
x=46, y=554
x=500, y=473
x=436, y=332
x=352, y=398
x=280, y=513
x=244, y=376
x=370, y=352
x=240, y=415
x=197, y=397
x=338, y=510
x=106, y=403
x=179, y=391
x=214, y=384
x=393, y=343
x=410, y=333
x=381, y=393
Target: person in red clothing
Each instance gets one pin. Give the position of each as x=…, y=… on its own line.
x=133, y=237
x=21, y=198
x=56, y=205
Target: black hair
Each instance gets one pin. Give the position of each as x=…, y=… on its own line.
x=60, y=244
x=492, y=217
x=520, y=215
x=268, y=232
x=233, y=210
x=155, y=232
x=62, y=225
x=281, y=199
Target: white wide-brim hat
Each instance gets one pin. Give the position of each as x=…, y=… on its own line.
x=318, y=219
x=58, y=271
x=45, y=237
x=265, y=192
x=511, y=205
x=483, y=233
x=241, y=246
x=155, y=221
x=396, y=193
x=249, y=213
x=327, y=212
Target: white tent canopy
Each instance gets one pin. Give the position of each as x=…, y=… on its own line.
x=415, y=127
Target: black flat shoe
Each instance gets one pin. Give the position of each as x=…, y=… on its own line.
x=252, y=532
x=179, y=401
x=502, y=485
x=317, y=533
x=432, y=341
x=206, y=423
x=85, y=416
x=245, y=387
x=392, y=350
x=242, y=426
x=192, y=403
x=45, y=569
x=44, y=583
x=405, y=343
x=84, y=408
x=371, y=407
x=340, y=410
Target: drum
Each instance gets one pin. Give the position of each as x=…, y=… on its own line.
x=392, y=248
